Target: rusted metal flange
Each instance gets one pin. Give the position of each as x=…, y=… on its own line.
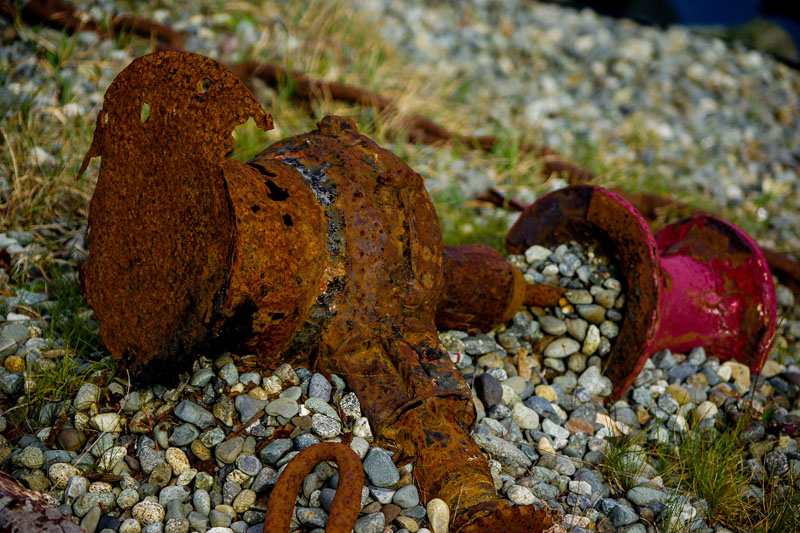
x=701, y=282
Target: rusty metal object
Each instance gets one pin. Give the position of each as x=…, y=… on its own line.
x=347, y=501
x=700, y=282
x=482, y=289
x=323, y=250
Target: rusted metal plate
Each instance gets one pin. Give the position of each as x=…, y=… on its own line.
x=161, y=229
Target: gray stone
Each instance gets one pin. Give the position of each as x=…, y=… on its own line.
x=212, y=437
x=371, y=523
x=248, y=406
x=562, y=347
x=622, y=515
x=229, y=374
x=183, y=435
x=250, y=378
x=90, y=520
x=552, y=325
x=192, y=413
x=593, y=313
x=311, y=516
x=227, y=451
x=249, y=464
x=202, y=377
x=284, y=407
x=643, y=495
x=88, y=394
x=12, y=383
x=576, y=327
x=350, y=406
x=198, y=521
x=406, y=497
x=505, y=452
x=380, y=469
x=173, y=492
x=325, y=427
x=276, y=449
x=15, y=331
x=319, y=387
x=304, y=440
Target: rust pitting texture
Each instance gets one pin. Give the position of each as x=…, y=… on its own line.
x=324, y=250
x=162, y=134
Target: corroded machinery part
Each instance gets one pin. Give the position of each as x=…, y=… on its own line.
x=324, y=250
x=700, y=282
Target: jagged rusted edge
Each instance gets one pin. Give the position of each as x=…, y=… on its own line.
x=346, y=503
x=417, y=128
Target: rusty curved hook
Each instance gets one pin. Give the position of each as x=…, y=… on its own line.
x=347, y=501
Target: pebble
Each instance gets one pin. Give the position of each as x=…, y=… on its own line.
x=438, y=515
x=380, y=469
x=371, y=523
x=562, y=347
x=227, y=451
x=192, y=413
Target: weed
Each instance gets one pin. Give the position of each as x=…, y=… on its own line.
x=70, y=316
x=624, y=460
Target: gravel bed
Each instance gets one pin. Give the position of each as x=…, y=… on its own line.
x=204, y=456
x=719, y=121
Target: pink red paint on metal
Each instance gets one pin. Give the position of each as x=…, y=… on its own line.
x=699, y=282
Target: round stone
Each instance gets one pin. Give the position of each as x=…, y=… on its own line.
x=406, y=497
x=130, y=525
x=87, y=395
x=524, y=416
x=229, y=450
x=576, y=327
x=60, y=473
x=438, y=515
x=194, y=414
x=380, y=469
x=244, y=500
x=591, y=341
x=520, y=495
x=325, y=427
x=147, y=512
x=552, y=325
x=370, y=523
x=284, y=407
x=176, y=458
x=592, y=312
x=561, y=347
x=29, y=457
x=127, y=498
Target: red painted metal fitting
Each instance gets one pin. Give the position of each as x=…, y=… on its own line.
x=700, y=282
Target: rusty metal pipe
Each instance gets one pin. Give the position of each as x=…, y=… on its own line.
x=324, y=250
x=700, y=282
